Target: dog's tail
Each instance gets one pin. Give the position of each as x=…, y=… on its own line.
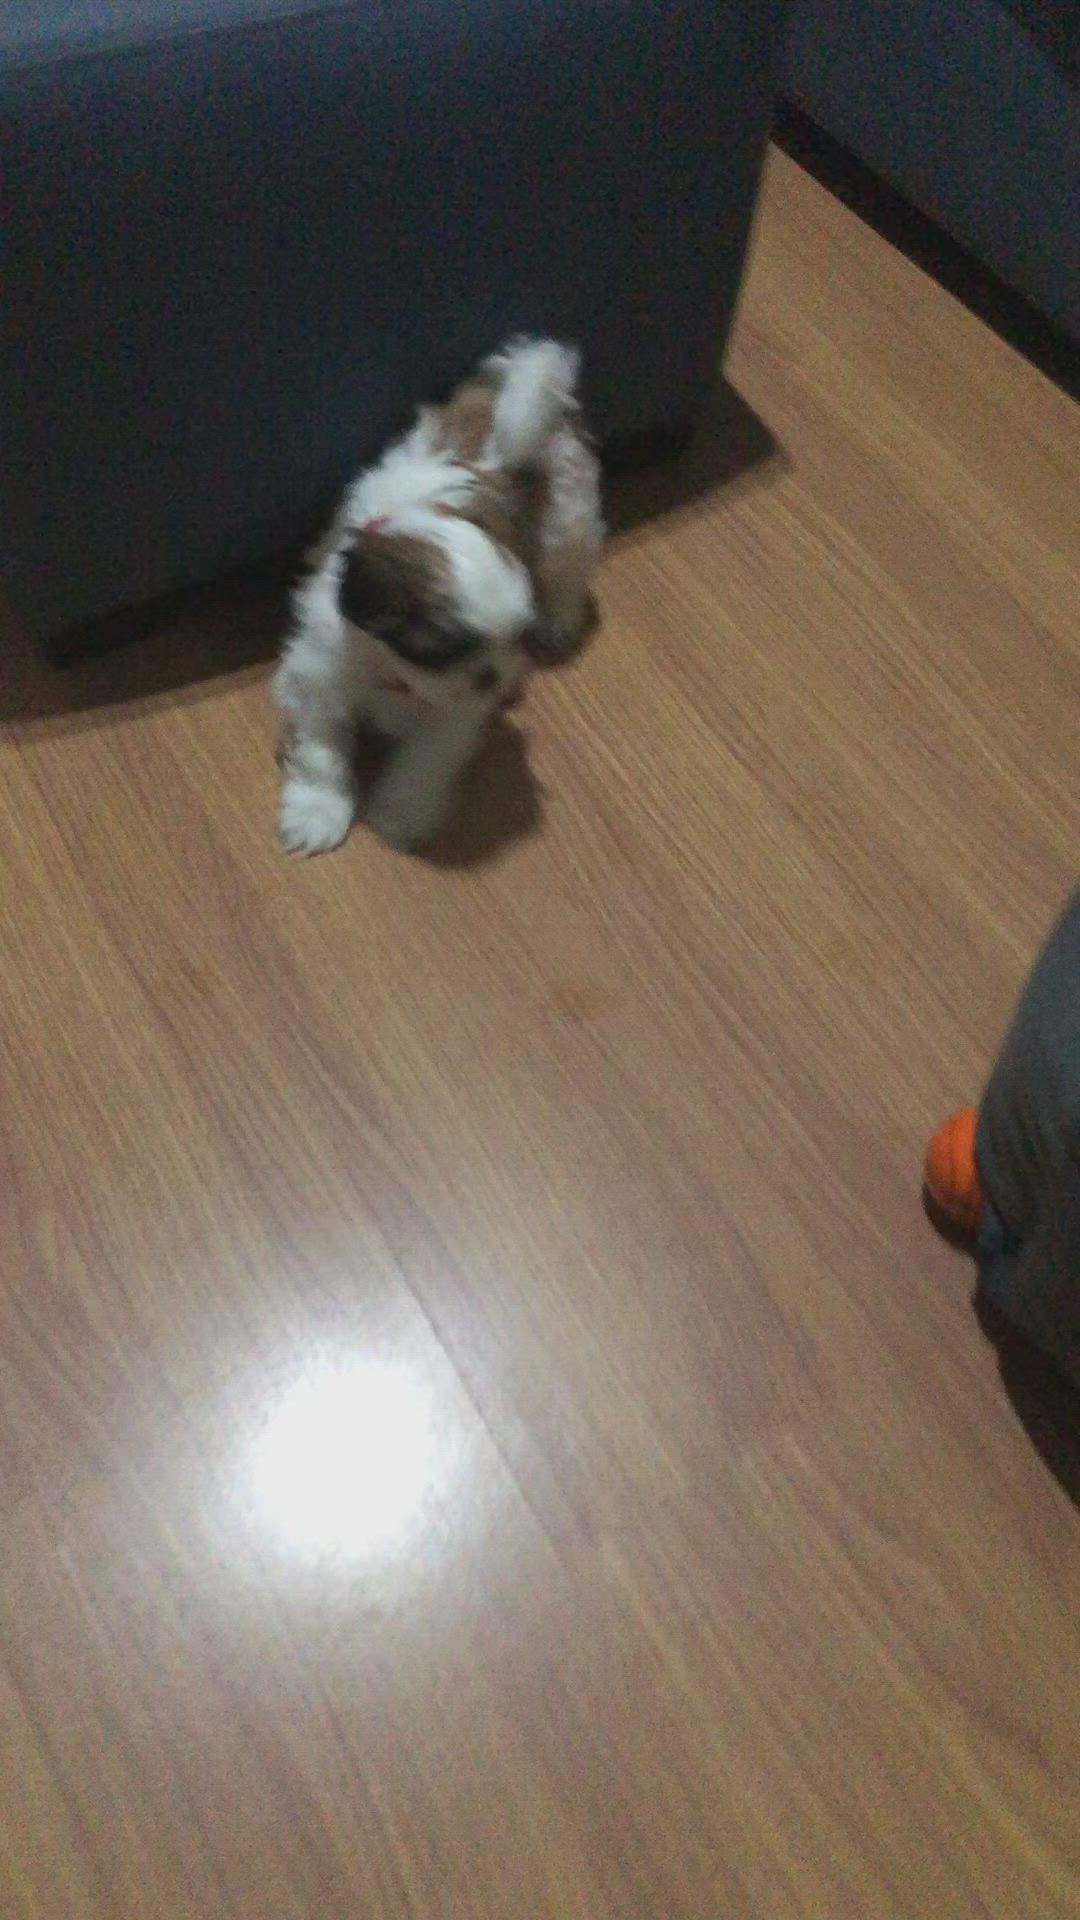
x=536, y=383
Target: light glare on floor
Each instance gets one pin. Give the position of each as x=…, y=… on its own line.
x=344, y=1459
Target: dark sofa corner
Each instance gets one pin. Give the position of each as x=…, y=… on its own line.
x=243, y=236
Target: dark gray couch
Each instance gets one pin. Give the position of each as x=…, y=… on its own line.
x=971, y=108
x=243, y=236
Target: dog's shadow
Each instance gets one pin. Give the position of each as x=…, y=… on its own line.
x=665, y=476
x=499, y=802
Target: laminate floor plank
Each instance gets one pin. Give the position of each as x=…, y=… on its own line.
x=487, y=1428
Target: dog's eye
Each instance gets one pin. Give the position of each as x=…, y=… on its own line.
x=427, y=644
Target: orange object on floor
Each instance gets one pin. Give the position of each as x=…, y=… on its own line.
x=951, y=1173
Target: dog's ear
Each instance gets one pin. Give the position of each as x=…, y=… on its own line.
x=361, y=595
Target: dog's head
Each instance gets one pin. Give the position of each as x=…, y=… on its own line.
x=448, y=606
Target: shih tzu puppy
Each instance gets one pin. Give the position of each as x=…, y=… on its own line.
x=462, y=555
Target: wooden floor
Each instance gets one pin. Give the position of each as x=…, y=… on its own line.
x=486, y=1429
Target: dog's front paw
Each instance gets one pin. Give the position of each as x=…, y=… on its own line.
x=313, y=818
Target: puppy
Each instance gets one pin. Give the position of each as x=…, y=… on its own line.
x=465, y=552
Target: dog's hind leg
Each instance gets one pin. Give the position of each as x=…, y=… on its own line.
x=413, y=797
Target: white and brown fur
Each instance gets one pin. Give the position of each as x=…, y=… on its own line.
x=465, y=552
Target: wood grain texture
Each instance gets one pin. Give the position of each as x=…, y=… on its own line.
x=487, y=1430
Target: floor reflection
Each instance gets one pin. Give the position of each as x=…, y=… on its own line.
x=345, y=1459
